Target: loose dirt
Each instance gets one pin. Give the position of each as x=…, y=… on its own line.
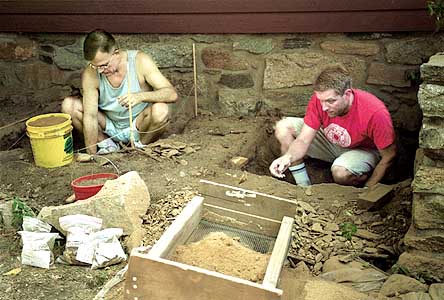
x=221, y=253
x=47, y=121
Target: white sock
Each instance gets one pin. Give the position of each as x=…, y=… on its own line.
x=300, y=175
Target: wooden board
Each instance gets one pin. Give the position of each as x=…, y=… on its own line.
x=180, y=229
x=247, y=201
x=279, y=253
x=152, y=278
x=236, y=219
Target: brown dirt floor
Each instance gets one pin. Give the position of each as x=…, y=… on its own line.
x=170, y=181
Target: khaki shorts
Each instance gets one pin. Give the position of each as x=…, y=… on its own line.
x=358, y=161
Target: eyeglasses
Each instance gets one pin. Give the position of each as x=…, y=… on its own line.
x=104, y=66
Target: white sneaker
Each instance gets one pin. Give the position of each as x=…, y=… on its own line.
x=138, y=144
x=107, y=146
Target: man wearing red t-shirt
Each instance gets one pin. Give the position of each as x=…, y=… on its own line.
x=348, y=127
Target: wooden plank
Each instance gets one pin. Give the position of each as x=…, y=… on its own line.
x=241, y=220
x=180, y=230
x=279, y=254
x=309, y=22
x=156, y=278
x=98, y=7
x=247, y=201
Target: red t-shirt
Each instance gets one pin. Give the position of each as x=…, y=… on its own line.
x=366, y=125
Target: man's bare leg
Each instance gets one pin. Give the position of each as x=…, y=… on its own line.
x=343, y=176
x=74, y=107
x=151, y=123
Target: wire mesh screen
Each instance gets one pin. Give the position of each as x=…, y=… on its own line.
x=257, y=242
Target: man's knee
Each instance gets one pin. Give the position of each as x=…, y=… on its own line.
x=283, y=129
x=69, y=105
x=343, y=176
x=159, y=113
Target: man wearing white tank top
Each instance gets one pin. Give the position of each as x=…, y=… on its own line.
x=114, y=83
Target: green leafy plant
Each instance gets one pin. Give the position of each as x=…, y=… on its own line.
x=435, y=8
x=348, y=229
x=19, y=210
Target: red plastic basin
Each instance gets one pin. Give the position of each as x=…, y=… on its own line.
x=83, y=191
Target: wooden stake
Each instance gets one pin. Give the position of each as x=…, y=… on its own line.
x=130, y=111
x=195, y=79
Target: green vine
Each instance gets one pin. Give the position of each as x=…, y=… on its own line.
x=435, y=8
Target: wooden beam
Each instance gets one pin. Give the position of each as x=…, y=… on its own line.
x=180, y=230
x=156, y=278
x=247, y=201
x=98, y=7
x=243, y=221
x=279, y=254
x=273, y=22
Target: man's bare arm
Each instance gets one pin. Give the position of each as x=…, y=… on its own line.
x=387, y=156
x=296, y=152
x=90, y=110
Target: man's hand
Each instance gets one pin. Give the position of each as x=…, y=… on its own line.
x=279, y=165
x=125, y=100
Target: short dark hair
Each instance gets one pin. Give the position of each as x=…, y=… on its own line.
x=98, y=40
x=334, y=77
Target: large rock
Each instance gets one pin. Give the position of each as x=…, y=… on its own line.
x=170, y=55
x=413, y=51
x=425, y=240
x=217, y=58
x=416, y=296
x=428, y=180
x=398, y=284
x=433, y=71
x=431, y=135
x=431, y=100
x=286, y=70
x=69, y=57
x=120, y=203
x=19, y=49
x=425, y=264
x=384, y=74
x=436, y=291
x=254, y=45
x=242, y=102
x=351, y=47
x=290, y=103
x=237, y=81
x=428, y=210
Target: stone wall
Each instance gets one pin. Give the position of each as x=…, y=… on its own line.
x=237, y=74
x=425, y=238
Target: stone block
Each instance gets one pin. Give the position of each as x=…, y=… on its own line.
x=431, y=100
x=398, y=284
x=436, y=291
x=394, y=75
x=424, y=264
x=431, y=135
x=216, y=58
x=18, y=49
x=286, y=70
x=254, y=45
x=242, y=102
x=413, y=51
x=433, y=70
x=290, y=103
x=424, y=240
x=351, y=47
x=428, y=211
x=6, y=215
x=170, y=54
x=120, y=203
x=428, y=180
x=296, y=43
x=237, y=81
x=375, y=197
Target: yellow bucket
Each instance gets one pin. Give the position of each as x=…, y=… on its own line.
x=51, y=139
